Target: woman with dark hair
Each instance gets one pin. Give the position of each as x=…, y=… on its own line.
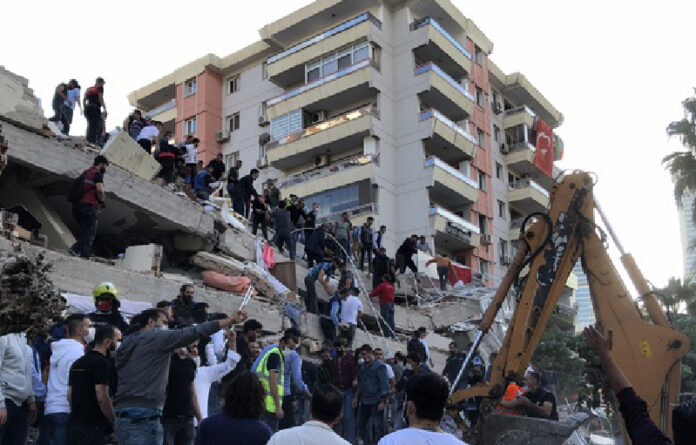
x=239, y=423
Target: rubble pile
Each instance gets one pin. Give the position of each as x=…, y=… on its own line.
x=29, y=302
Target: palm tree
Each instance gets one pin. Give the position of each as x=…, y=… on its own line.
x=682, y=164
x=678, y=294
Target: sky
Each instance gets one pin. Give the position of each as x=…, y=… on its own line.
x=618, y=70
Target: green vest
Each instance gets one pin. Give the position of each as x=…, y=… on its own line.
x=264, y=375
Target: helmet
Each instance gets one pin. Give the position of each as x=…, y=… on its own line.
x=105, y=290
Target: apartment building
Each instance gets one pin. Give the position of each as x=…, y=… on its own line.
x=383, y=108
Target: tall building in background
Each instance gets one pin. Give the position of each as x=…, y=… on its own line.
x=378, y=108
x=586, y=314
x=688, y=235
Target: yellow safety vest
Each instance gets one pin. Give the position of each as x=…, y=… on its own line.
x=264, y=375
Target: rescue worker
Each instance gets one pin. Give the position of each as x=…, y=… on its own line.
x=270, y=369
x=106, y=302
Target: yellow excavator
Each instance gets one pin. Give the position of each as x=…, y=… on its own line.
x=649, y=352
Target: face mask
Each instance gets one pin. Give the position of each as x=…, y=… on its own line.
x=361, y=361
x=105, y=305
x=197, y=361
x=187, y=298
x=409, y=367
x=117, y=345
x=90, y=335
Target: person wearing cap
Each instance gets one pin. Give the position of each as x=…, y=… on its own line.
x=93, y=104
x=85, y=209
x=68, y=107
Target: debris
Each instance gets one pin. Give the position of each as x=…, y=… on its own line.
x=122, y=150
x=18, y=104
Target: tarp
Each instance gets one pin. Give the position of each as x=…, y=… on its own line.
x=462, y=273
x=543, y=159
x=82, y=304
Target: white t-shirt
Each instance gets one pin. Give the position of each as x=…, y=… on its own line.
x=191, y=154
x=350, y=308
x=390, y=371
x=427, y=349
x=150, y=133
x=415, y=436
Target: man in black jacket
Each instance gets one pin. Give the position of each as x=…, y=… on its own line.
x=243, y=191
x=380, y=267
x=233, y=176
x=404, y=254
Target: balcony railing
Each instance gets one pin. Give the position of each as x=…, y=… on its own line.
x=430, y=66
x=523, y=183
x=161, y=109
x=339, y=166
x=429, y=21
x=364, y=209
x=434, y=161
x=524, y=145
x=330, y=123
x=321, y=81
x=520, y=109
x=325, y=35
x=434, y=210
x=427, y=114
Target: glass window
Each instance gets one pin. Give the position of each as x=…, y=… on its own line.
x=344, y=58
x=496, y=133
x=498, y=170
x=190, y=87
x=335, y=201
x=233, y=85
x=329, y=65
x=233, y=122
x=482, y=181
x=482, y=139
x=501, y=209
x=190, y=126
x=313, y=71
x=361, y=51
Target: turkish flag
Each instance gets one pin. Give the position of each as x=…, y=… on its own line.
x=543, y=159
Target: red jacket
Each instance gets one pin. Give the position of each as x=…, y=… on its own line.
x=385, y=292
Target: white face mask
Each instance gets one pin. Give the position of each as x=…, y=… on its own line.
x=197, y=361
x=409, y=367
x=361, y=361
x=118, y=345
x=90, y=335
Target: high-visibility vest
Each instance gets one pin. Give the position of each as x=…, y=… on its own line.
x=511, y=393
x=264, y=375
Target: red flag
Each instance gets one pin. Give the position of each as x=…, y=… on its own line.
x=543, y=159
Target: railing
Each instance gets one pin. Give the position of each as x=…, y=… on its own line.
x=342, y=165
x=437, y=162
x=429, y=21
x=352, y=212
x=325, y=125
x=427, y=114
x=325, y=35
x=454, y=218
x=161, y=109
x=430, y=66
x=321, y=81
x=525, y=145
x=520, y=109
x=523, y=183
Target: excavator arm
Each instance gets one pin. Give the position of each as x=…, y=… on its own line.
x=648, y=352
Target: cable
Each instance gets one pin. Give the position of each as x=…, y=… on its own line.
x=533, y=255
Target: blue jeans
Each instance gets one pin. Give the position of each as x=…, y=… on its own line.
x=53, y=429
x=285, y=238
x=349, y=427
x=387, y=312
x=178, y=431
x=139, y=431
x=86, y=217
x=15, y=429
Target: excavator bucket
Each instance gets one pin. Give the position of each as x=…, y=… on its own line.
x=517, y=430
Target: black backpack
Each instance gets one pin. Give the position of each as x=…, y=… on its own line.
x=77, y=189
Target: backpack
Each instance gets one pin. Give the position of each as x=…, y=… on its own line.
x=77, y=189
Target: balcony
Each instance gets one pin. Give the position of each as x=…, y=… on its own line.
x=344, y=172
x=439, y=45
x=442, y=92
x=520, y=159
x=515, y=225
x=289, y=64
x=527, y=196
x=453, y=233
x=518, y=116
x=448, y=185
x=358, y=215
x=332, y=136
x=444, y=138
x=348, y=85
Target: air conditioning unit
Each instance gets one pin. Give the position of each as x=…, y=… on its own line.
x=319, y=116
x=263, y=120
x=504, y=149
x=486, y=239
x=505, y=260
x=264, y=138
x=223, y=136
x=497, y=109
x=321, y=160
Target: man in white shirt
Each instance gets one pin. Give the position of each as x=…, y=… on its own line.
x=149, y=136
x=53, y=428
x=206, y=375
x=422, y=333
x=351, y=312
x=426, y=397
x=326, y=410
x=191, y=157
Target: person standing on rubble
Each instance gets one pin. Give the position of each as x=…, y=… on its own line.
x=85, y=207
x=366, y=243
x=218, y=167
x=202, y=181
x=68, y=107
x=106, y=303
x=233, y=176
x=321, y=272
x=183, y=304
x=385, y=292
x=283, y=231
x=444, y=265
x=316, y=245
x=242, y=193
x=149, y=136
x=59, y=96
x=93, y=104
x=404, y=255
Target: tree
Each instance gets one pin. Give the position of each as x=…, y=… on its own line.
x=682, y=164
x=676, y=296
x=557, y=352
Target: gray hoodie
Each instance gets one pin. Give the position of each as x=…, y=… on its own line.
x=15, y=370
x=142, y=362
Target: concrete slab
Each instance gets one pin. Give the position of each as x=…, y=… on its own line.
x=122, y=150
x=147, y=258
x=17, y=101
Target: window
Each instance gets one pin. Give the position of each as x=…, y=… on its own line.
x=483, y=266
x=361, y=51
x=190, y=126
x=335, y=201
x=494, y=98
x=233, y=85
x=329, y=65
x=478, y=55
x=483, y=223
x=341, y=59
x=503, y=248
x=482, y=181
x=480, y=97
x=233, y=122
x=496, y=133
x=481, y=139
x=465, y=167
x=498, y=170
x=190, y=87
x=465, y=82
x=231, y=159
x=501, y=209
x=313, y=71
x=344, y=58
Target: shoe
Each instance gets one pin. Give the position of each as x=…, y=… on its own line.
x=71, y=252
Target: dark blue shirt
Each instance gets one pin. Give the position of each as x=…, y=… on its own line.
x=317, y=241
x=373, y=382
x=220, y=428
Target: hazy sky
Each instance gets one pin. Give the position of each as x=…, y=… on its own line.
x=618, y=70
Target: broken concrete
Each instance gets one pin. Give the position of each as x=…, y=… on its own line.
x=146, y=259
x=121, y=150
x=17, y=101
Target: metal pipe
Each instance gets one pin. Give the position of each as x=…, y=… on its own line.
x=608, y=226
x=474, y=347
